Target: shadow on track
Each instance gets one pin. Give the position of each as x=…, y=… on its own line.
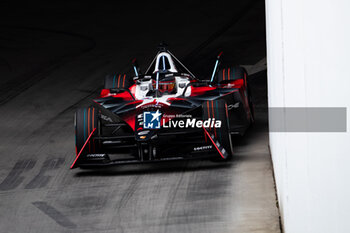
x=157, y=168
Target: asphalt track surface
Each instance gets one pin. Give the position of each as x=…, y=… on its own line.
x=51, y=66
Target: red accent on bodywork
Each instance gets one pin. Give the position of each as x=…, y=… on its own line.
x=124, y=95
x=134, y=102
x=133, y=89
x=200, y=90
x=239, y=82
x=81, y=150
x=130, y=120
x=213, y=143
x=174, y=98
x=104, y=93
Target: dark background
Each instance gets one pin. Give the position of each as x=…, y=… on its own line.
x=36, y=35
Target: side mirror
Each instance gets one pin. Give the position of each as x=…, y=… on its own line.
x=136, y=67
x=216, y=66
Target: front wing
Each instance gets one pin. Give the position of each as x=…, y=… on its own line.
x=168, y=146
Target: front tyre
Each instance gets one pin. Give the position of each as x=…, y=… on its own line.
x=86, y=120
x=230, y=74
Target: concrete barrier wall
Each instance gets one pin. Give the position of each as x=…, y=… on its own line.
x=308, y=58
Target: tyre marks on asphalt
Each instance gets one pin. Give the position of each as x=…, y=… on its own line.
x=128, y=194
x=15, y=178
x=54, y=214
x=194, y=187
x=121, y=204
x=168, y=210
x=17, y=175
x=41, y=179
x=86, y=205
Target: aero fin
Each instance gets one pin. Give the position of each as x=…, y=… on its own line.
x=223, y=153
x=80, y=152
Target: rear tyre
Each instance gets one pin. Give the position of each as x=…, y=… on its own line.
x=86, y=120
x=117, y=81
x=218, y=109
x=230, y=74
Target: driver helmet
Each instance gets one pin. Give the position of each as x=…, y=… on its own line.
x=164, y=86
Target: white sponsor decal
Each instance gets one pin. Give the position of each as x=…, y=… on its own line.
x=202, y=148
x=192, y=123
x=106, y=118
x=231, y=106
x=95, y=155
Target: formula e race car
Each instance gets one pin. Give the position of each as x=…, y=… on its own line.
x=163, y=114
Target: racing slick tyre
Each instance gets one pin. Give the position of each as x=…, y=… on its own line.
x=231, y=73
x=117, y=81
x=86, y=120
x=218, y=109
